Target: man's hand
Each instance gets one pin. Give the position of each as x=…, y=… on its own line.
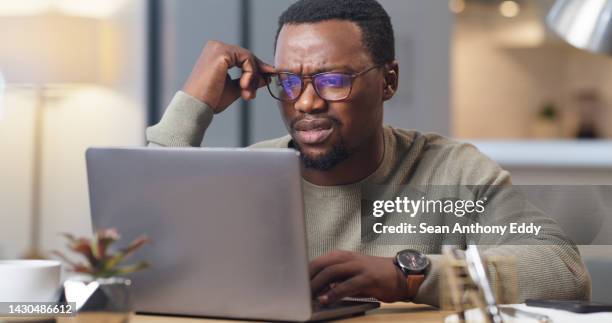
x=210, y=83
x=341, y=274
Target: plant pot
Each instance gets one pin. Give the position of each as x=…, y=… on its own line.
x=101, y=300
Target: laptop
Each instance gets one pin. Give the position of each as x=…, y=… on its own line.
x=227, y=230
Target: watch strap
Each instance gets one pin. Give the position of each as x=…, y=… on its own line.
x=413, y=282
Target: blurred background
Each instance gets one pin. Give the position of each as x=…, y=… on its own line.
x=75, y=74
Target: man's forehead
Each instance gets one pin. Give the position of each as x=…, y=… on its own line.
x=327, y=45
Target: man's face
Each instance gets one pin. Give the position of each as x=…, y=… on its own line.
x=328, y=132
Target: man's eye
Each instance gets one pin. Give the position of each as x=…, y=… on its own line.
x=336, y=82
x=291, y=82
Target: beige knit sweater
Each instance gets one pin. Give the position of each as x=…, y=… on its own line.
x=552, y=271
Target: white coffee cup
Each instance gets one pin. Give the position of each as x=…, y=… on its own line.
x=29, y=280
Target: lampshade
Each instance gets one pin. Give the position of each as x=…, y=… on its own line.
x=49, y=49
x=586, y=24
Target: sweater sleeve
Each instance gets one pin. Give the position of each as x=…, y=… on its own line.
x=547, y=267
x=183, y=124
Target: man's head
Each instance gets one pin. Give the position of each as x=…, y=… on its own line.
x=347, y=36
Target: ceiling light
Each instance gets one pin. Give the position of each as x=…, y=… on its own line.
x=509, y=8
x=456, y=6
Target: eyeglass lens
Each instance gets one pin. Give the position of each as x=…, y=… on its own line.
x=330, y=86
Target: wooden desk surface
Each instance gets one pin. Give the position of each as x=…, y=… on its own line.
x=388, y=313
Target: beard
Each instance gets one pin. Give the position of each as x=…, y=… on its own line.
x=324, y=162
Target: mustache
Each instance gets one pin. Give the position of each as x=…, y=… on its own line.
x=307, y=122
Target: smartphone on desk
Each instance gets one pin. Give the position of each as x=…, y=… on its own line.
x=572, y=306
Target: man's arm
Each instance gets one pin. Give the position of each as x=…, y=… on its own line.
x=208, y=91
x=549, y=266
x=183, y=124
x=544, y=272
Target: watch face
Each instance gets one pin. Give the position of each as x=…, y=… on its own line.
x=412, y=260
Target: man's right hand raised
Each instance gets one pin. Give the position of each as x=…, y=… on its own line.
x=210, y=82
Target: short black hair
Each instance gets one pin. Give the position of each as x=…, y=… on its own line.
x=369, y=15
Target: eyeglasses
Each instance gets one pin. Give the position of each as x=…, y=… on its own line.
x=330, y=86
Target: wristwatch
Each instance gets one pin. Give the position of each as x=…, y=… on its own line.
x=414, y=266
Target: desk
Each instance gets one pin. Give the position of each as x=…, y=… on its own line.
x=387, y=313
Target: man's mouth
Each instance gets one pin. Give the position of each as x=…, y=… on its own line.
x=313, y=131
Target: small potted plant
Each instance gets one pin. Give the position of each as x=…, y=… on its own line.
x=547, y=123
x=100, y=285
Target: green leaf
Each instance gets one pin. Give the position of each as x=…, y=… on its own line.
x=114, y=261
x=94, y=247
x=105, y=239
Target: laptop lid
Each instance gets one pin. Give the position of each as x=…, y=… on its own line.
x=227, y=228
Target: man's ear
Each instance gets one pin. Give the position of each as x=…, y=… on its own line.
x=391, y=75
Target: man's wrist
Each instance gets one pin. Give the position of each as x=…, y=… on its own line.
x=411, y=281
x=405, y=294
x=196, y=94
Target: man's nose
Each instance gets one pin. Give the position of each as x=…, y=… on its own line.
x=309, y=101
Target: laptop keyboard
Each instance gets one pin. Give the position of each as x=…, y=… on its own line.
x=318, y=307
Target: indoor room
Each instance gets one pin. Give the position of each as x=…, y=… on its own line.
x=123, y=164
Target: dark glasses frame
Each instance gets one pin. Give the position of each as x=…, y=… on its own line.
x=311, y=79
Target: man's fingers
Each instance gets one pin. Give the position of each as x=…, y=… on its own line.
x=247, y=85
x=348, y=288
x=248, y=95
x=253, y=80
x=262, y=82
x=248, y=63
x=247, y=78
x=264, y=67
x=252, y=71
x=252, y=68
x=331, y=274
x=328, y=259
x=231, y=90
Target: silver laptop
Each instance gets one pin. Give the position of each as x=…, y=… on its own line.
x=227, y=230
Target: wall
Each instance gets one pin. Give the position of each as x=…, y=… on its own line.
x=266, y=121
x=504, y=70
x=423, y=31
x=186, y=27
x=15, y=142
x=113, y=114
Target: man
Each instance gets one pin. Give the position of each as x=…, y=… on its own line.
x=334, y=67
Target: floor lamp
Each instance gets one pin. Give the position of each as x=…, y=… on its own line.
x=51, y=55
